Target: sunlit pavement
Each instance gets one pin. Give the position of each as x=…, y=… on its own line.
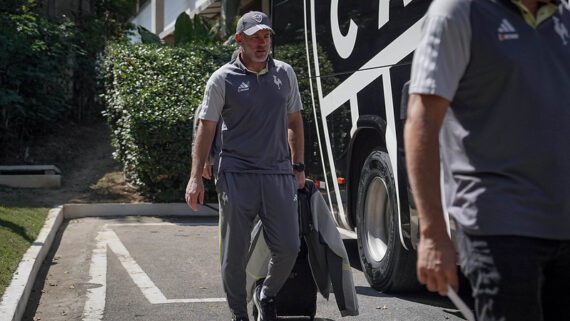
x=146, y=268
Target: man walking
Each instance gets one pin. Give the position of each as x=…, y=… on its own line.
x=492, y=79
x=258, y=99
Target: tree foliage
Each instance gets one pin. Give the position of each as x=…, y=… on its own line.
x=36, y=63
x=295, y=55
x=48, y=66
x=148, y=37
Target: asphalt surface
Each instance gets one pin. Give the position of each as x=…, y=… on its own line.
x=146, y=268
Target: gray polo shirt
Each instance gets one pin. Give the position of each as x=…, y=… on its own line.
x=505, y=138
x=254, y=109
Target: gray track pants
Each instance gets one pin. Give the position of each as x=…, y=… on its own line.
x=242, y=197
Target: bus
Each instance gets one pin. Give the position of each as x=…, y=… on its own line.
x=353, y=60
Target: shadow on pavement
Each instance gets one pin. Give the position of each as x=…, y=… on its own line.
x=302, y=319
x=428, y=298
x=422, y=296
x=39, y=283
x=434, y=299
x=454, y=313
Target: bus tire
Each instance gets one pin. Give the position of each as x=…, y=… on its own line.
x=387, y=265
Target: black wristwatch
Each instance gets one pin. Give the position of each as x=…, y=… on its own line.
x=299, y=167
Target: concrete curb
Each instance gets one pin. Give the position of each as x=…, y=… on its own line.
x=30, y=176
x=31, y=181
x=15, y=298
x=143, y=209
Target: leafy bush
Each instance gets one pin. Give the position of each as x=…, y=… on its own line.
x=151, y=95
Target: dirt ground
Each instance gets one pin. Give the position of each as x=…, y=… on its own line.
x=89, y=173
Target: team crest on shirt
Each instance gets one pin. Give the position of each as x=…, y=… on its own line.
x=243, y=87
x=277, y=82
x=561, y=30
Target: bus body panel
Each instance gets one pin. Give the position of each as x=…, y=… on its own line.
x=358, y=58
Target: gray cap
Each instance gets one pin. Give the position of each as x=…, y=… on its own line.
x=252, y=22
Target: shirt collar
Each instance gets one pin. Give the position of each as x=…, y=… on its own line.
x=545, y=11
x=263, y=71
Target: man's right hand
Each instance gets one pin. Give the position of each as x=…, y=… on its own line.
x=437, y=263
x=194, y=192
x=202, y=143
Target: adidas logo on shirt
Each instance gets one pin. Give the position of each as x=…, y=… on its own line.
x=243, y=87
x=506, y=31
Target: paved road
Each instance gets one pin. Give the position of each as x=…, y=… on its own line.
x=145, y=268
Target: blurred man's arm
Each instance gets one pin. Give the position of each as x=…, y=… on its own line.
x=296, y=143
x=204, y=138
x=436, y=266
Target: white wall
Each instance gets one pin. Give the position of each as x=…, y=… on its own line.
x=172, y=8
x=144, y=17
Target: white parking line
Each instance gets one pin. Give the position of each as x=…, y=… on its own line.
x=163, y=224
x=95, y=302
x=141, y=279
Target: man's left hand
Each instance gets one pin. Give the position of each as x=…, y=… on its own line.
x=300, y=176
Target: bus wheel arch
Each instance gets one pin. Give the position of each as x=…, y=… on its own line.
x=364, y=141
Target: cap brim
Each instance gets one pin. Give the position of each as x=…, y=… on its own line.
x=256, y=28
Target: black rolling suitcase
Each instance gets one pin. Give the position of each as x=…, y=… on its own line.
x=298, y=296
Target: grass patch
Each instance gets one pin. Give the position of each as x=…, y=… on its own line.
x=19, y=227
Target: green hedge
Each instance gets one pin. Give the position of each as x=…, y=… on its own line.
x=151, y=93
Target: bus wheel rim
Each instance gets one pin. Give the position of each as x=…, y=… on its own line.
x=377, y=207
